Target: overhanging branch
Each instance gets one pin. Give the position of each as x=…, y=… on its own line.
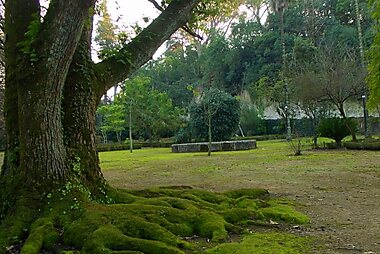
x=117, y=68
x=185, y=28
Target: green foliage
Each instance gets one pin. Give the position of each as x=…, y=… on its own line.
x=152, y=111
x=374, y=64
x=336, y=128
x=113, y=119
x=106, y=36
x=225, y=113
x=183, y=136
x=27, y=45
x=175, y=73
x=250, y=120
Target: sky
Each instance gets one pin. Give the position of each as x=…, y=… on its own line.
x=130, y=11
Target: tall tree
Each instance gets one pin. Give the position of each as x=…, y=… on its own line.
x=374, y=65
x=151, y=111
x=106, y=36
x=52, y=91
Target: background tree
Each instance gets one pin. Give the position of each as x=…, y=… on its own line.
x=113, y=120
x=106, y=36
x=152, y=112
x=222, y=109
x=374, y=65
x=176, y=73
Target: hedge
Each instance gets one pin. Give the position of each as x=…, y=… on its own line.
x=262, y=137
x=363, y=145
x=116, y=147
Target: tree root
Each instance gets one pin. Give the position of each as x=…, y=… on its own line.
x=150, y=221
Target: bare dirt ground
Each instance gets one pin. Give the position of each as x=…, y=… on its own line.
x=338, y=189
x=344, y=208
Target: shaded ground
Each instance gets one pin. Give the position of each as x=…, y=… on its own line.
x=340, y=189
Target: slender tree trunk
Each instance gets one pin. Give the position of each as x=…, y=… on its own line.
x=343, y=114
x=241, y=130
x=209, y=116
x=360, y=33
x=130, y=128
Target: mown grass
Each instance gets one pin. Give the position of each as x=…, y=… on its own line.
x=271, y=163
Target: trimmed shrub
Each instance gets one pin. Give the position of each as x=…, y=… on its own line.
x=225, y=114
x=262, y=137
x=336, y=128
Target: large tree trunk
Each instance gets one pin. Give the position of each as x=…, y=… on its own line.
x=79, y=107
x=52, y=92
x=38, y=56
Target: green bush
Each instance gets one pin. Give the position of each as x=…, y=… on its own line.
x=250, y=120
x=336, y=128
x=182, y=136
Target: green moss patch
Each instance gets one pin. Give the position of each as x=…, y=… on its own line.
x=155, y=221
x=265, y=243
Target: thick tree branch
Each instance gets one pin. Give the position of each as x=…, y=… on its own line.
x=141, y=49
x=70, y=15
x=185, y=28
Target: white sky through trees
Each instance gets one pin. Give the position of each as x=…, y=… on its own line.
x=127, y=12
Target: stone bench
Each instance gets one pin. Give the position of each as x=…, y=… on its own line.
x=215, y=146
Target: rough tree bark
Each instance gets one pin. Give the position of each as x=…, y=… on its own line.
x=53, y=89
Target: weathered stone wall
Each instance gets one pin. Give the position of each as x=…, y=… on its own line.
x=215, y=146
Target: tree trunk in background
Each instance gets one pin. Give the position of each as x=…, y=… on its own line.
x=130, y=128
x=209, y=122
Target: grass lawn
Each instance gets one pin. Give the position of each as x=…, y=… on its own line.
x=222, y=171
x=339, y=189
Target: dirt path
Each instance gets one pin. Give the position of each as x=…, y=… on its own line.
x=345, y=211
x=344, y=208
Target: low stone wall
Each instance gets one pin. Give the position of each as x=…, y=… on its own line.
x=215, y=146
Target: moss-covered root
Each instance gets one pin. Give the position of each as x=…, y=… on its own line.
x=109, y=239
x=42, y=233
x=150, y=221
x=16, y=223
